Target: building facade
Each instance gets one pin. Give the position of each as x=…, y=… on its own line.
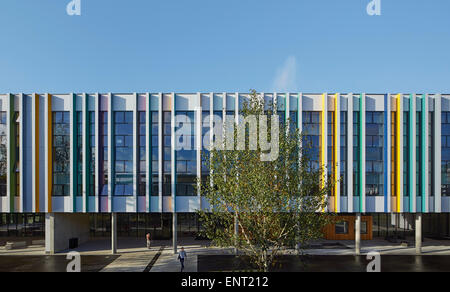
x=80, y=154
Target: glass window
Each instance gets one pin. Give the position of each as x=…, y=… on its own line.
x=123, y=154
x=92, y=142
x=142, y=170
x=103, y=153
x=343, y=158
x=445, y=164
x=167, y=136
x=341, y=227
x=356, y=160
x=311, y=132
x=186, y=160
x=61, y=155
x=3, y=154
x=374, y=153
x=79, y=129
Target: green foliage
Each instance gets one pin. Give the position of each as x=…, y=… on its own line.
x=277, y=204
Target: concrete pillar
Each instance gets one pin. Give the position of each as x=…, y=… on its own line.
x=113, y=233
x=49, y=233
x=418, y=233
x=358, y=234
x=174, y=231
x=61, y=227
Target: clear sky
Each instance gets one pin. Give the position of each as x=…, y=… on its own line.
x=224, y=45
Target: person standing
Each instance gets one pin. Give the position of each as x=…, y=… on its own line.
x=182, y=256
x=148, y=240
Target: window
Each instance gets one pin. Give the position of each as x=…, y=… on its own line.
x=393, y=154
x=418, y=153
x=445, y=165
x=341, y=227
x=123, y=154
x=343, y=158
x=103, y=153
x=206, y=137
x=61, y=155
x=91, y=121
x=3, y=154
x=374, y=153
x=293, y=118
x=155, y=151
x=363, y=227
x=406, y=150
x=167, y=159
x=142, y=152
x=356, y=162
x=311, y=142
x=330, y=145
x=79, y=153
x=17, y=166
x=186, y=160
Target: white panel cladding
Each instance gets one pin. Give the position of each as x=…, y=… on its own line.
x=218, y=103
x=35, y=176
x=198, y=141
x=230, y=100
x=23, y=197
x=97, y=104
x=26, y=152
x=350, y=152
x=400, y=155
x=293, y=102
x=173, y=154
x=425, y=100
x=148, y=154
x=337, y=121
x=388, y=143
x=186, y=101
x=324, y=109
x=437, y=153
x=72, y=146
x=110, y=153
x=85, y=117
x=312, y=102
x=375, y=102
x=136, y=159
x=61, y=102
x=42, y=124
x=142, y=102
x=123, y=102
x=160, y=152
x=205, y=100
x=413, y=191
x=362, y=140
x=9, y=102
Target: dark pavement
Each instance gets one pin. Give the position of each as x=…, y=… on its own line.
x=56, y=263
x=329, y=263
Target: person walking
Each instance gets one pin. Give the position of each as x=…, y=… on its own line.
x=148, y=240
x=182, y=256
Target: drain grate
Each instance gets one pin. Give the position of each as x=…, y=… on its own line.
x=154, y=259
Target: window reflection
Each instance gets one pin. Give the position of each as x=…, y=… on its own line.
x=123, y=154
x=61, y=155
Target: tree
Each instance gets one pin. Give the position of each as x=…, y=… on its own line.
x=276, y=202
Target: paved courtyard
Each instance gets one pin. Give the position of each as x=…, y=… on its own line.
x=133, y=256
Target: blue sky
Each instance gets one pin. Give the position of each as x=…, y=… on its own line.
x=232, y=45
